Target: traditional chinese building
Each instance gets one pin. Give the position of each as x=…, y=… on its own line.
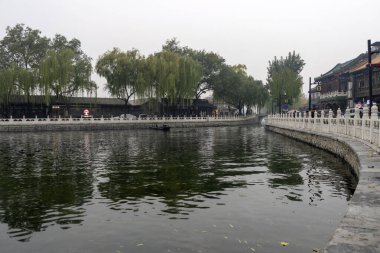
x=19, y=106
x=360, y=80
x=346, y=85
x=335, y=86
x=315, y=97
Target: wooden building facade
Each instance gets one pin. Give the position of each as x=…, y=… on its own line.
x=346, y=85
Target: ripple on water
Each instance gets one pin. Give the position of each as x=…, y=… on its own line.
x=217, y=184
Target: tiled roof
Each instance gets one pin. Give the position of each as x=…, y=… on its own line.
x=89, y=100
x=342, y=67
x=363, y=63
x=40, y=99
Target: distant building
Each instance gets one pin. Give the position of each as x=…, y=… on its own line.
x=315, y=97
x=346, y=85
x=19, y=106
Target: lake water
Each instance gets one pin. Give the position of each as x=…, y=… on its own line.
x=227, y=189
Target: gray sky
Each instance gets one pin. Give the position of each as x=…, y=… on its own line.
x=250, y=32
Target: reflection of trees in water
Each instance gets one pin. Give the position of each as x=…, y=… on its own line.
x=181, y=168
x=41, y=183
x=325, y=169
x=289, y=159
x=45, y=179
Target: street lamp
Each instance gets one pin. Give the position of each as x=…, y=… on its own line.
x=370, y=52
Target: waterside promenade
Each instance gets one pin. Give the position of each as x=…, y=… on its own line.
x=69, y=124
x=357, y=140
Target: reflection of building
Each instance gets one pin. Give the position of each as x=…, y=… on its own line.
x=347, y=83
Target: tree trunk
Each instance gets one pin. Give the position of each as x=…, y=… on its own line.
x=125, y=107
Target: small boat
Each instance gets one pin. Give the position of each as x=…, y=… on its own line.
x=163, y=127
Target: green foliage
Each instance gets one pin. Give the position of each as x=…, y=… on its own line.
x=284, y=77
x=42, y=65
x=286, y=82
x=236, y=88
x=23, y=47
x=8, y=81
x=124, y=72
x=210, y=63
x=32, y=64
x=63, y=74
x=173, y=76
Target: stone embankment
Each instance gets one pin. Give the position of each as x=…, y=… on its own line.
x=71, y=124
x=359, y=230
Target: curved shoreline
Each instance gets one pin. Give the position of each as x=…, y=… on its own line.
x=359, y=230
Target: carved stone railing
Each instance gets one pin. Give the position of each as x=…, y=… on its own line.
x=358, y=126
x=115, y=120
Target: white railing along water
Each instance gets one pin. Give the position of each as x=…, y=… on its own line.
x=365, y=127
x=115, y=120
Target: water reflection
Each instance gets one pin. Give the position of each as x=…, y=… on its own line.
x=41, y=185
x=174, y=169
x=54, y=179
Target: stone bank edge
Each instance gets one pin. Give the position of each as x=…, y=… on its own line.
x=143, y=124
x=359, y=230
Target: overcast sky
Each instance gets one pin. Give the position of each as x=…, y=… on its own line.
x=250, y=32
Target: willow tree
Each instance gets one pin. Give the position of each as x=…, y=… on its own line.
x=174, y=77
x=8, y=81
x=63, y=75
x=285, y=85
x=284, y=80
x=210, y=63
x=124, y=72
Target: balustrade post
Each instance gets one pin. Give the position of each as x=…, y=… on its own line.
x=330, y=118
x=303, y=120
x=309, y=121
x=374, y=112
x=374, y=117
x=338, y=116
x=364, y=120
x=356, y=118
x=347, y=118
x=323, y=116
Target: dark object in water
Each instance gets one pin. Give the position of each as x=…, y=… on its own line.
x=163, y=127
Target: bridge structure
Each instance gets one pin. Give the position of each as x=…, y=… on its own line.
x=357, y=140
